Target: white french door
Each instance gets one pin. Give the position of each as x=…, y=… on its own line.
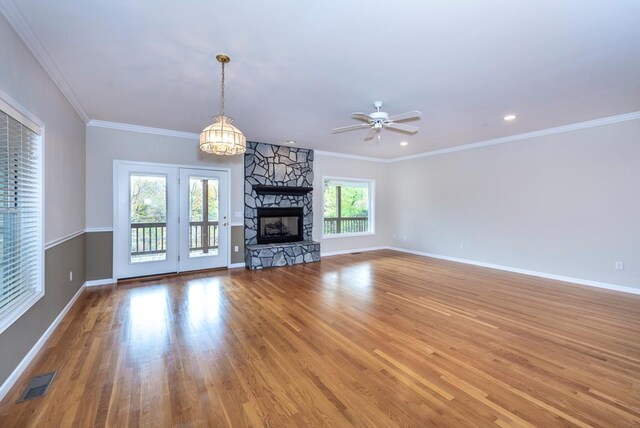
x=169, y=219
x=204, y=222
x=146, y=222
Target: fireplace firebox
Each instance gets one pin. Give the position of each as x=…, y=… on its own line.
x=277, y=225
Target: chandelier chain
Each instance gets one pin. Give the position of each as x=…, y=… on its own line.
x=222, y=98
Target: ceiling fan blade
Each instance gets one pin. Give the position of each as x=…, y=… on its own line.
x=402, y=127
x=351, y=127
x=372, y=133
x=361, y=116
x=406, y=116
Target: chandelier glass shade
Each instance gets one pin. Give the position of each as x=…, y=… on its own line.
x=221, y=137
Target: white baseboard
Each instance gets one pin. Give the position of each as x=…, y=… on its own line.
x=573, y=280
x=236, y=265
x=17, y=372
x=353, y=250
x=96, y=282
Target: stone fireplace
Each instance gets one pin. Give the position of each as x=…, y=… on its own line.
x=278, y=206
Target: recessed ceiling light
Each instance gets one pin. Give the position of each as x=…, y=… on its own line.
x=404, y=143
x=509, y=117
x=290, y=141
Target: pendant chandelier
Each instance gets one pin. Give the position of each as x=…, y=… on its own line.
x=221, y=137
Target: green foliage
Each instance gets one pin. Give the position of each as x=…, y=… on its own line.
x=354, y=201
x=148, y=199
x=330, y=205
x=195, y=194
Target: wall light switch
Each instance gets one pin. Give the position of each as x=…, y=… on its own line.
x=235, y=249
x=619, y=265
x=462, y=245
x=70, y=275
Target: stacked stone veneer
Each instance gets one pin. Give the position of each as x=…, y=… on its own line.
x=267, y=164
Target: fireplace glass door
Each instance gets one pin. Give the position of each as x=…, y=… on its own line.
x=278, y=225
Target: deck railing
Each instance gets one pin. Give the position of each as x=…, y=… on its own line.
x=203, y=236
x=148, y=238
x=151, y=238
x=334, y=225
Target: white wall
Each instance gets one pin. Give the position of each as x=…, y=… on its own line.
x=330, y=166
x=565, y=204
x=106, y=145
x=23, y=79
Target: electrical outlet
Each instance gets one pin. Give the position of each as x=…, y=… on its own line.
x=70, y=275
x=404, y=238
x=619, y=265
x=235, y=249
x=462, y=245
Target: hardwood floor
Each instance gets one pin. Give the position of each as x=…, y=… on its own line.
x=374, y=339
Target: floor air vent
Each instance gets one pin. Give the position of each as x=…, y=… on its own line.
x=356, y=253
x=38, y=387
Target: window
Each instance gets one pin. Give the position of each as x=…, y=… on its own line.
x=21, y=232
x=348, y=207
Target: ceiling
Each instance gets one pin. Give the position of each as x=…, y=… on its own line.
x=298, y=68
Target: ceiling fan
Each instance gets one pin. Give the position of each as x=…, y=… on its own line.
x=380, y=119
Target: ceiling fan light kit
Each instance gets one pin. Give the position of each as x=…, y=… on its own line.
x=379, y=120
x=221, y=137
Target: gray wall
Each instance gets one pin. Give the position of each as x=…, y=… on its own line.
x=19, y=338
x=565, y=204
x=23, y=79
x=237, y=240
x=99, y=264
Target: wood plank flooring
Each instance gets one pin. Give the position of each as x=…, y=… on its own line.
x=373, y=339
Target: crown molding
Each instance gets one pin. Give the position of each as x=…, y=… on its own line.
x=348, y=156
x=508, y=139
x=30, y=39
x=502, y=140
x=527, y=135
x=142, y=129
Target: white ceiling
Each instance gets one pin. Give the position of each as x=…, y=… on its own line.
x=299, y=68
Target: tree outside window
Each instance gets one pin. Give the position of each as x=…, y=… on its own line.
x=346, y=206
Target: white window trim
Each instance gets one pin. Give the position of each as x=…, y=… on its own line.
x=372, y=207
x=11, y=107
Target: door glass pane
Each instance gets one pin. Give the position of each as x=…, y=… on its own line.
x=203, y=216
x=148, y=213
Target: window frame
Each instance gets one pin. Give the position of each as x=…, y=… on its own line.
x=16, y=111
x=371, y=218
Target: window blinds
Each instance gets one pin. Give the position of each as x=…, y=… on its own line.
x=20, y=215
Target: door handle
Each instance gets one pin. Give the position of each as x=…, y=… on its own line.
x=224, y=224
